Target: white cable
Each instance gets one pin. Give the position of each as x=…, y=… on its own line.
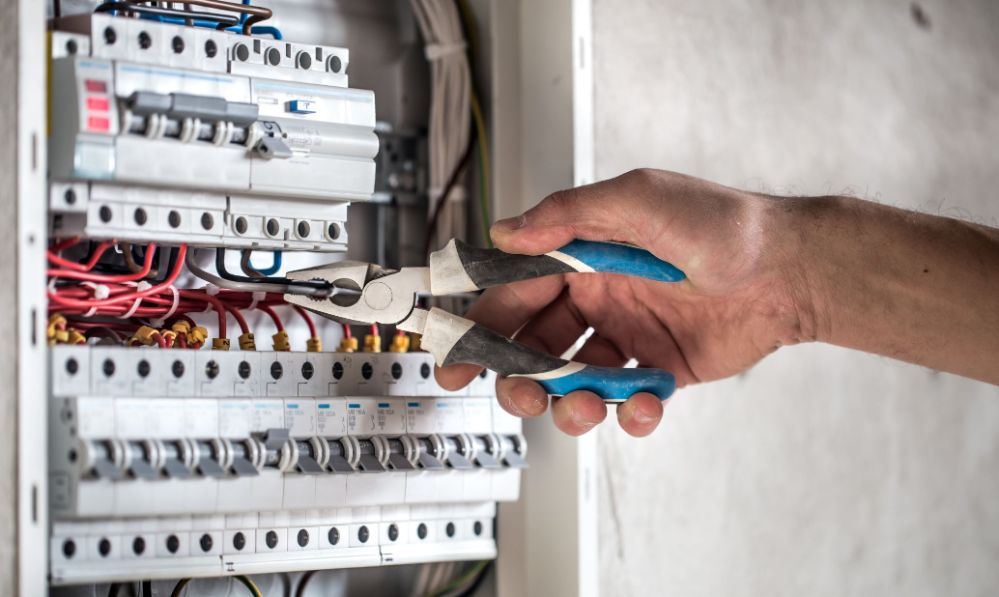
x=135, y=307
x=257, y=297
x=101, y=291
x=158, y=323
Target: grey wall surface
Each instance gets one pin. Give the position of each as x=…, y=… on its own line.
x=821, y=471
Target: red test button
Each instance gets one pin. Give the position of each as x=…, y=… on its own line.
x=98, y=124
x=98, y=104
x=96, y=86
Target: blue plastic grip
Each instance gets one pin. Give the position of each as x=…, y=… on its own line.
x=613, y=384
x=614, y=258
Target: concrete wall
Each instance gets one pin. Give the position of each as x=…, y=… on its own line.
x=820, y=472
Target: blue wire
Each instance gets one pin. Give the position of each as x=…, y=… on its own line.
x=273, y=269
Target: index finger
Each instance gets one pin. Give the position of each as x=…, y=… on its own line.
x=503, y=309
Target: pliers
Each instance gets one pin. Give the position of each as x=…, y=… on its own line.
x=390, y=297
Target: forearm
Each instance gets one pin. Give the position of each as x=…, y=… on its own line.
x=916, y=287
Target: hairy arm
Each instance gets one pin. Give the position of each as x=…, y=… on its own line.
x=911, y=286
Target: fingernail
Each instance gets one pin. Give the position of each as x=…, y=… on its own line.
x=510, y=224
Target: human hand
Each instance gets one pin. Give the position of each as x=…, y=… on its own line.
x=744, y=295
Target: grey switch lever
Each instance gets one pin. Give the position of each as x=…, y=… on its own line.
x=141, y=469
x=243, y=467
x=455, y=458
x=175, y=469
x=397, y=459
x=308, y=465
x=271, y=145
x=207, y=465
x=427, y=457
x=457, y=461
x=210, y=468
x=275, y=439
x=105, y=469
x=483, y=456
x=368, y=462
x=338, y=462
x=400, y=463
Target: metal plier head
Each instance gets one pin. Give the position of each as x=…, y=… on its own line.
x=381, y=295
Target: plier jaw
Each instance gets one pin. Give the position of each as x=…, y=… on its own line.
x=380, y=295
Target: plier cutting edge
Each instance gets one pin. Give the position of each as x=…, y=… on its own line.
x=390, y=297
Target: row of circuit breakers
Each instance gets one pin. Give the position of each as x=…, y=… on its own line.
x=184, y=463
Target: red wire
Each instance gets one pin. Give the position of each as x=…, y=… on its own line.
x=64, y=244
x=81, y=267
x=374, y=329
x=147, y=266
x=346, y=331
x=400, y=332
x=273, y=315
x=130, y=296
x=243, y=327
x=308, y=320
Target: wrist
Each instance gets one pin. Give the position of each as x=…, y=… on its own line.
x=803, y=230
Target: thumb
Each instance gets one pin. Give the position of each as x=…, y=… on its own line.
x=609, y=210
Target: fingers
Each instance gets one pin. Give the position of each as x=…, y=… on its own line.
x=607, y=210
x=578, y=412
x=601, y=352
x=555, y=328
x=521, y=397
x=640, y=414
x=503, y=309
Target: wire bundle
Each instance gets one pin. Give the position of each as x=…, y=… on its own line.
x=450, y=108
x=112, y=304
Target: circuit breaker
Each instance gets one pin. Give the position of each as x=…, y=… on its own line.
x=173, y=451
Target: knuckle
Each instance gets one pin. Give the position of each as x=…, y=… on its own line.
x=560, y=200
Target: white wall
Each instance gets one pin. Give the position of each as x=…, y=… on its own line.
x=820, y=472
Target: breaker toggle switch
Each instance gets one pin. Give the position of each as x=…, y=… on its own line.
x=208, y=457
x=244, y=455
x=514, y=450
x=368, y=460
x=271, y=144
x=103, y=459
x=486, y=449
x=401, y=453
x=309, y=456
x=276, y=438
x=458, y=449
x=340, y=454
x=429, y=452
x=142, y=459
x=175, y=454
